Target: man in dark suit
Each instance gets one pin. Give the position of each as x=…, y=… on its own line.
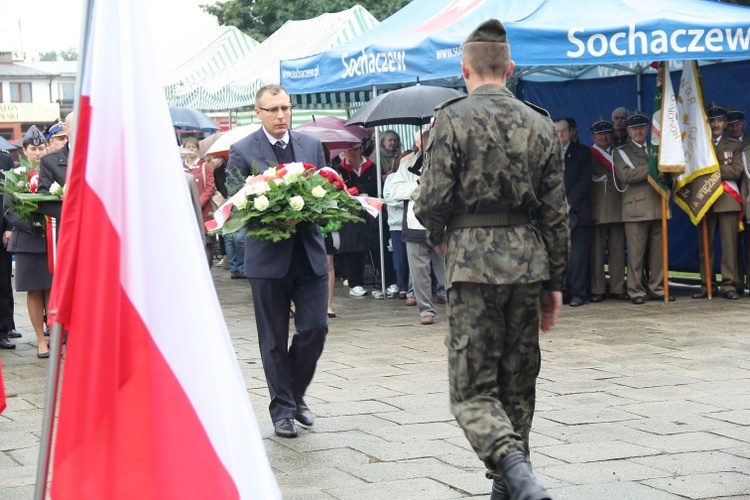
x=577, y=183
x=292, y=270
x=7, y=323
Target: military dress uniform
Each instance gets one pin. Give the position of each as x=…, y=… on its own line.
x=641, y=215
x=606, y=217
x=478, y=197
x=724, y=214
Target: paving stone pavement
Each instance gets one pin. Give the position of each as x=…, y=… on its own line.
x=634, y=402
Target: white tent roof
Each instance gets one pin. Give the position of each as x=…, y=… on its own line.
x=236, y=84
x=185, y=65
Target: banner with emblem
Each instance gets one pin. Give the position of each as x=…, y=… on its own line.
x=666, y=138
x=700, y=185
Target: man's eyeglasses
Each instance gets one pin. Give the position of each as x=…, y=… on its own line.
x=283, y=109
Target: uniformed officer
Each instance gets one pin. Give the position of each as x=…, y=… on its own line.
x=606, y=216
x=490, y=162
x=641, y=213
x=725, y=211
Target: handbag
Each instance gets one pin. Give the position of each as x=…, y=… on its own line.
x=217, y=199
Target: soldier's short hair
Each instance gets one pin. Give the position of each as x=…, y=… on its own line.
x=487, y=58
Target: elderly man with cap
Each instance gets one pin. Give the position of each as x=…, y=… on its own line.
x=736, y=132
x=606, y=216
x=641, y=213
x=725, y=211
x=490, y=162
x=54, y=168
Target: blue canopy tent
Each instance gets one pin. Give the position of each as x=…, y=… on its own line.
x=577, y=58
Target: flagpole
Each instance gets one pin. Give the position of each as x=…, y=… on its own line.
x=709, y=273
x=664, y=248
x=56, y=334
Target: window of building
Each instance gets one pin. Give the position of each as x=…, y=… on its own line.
x=67, y=91
x=20, y=92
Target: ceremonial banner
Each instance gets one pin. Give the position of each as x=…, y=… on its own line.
x=153, y=403
x=666, y=139
x=700, y=185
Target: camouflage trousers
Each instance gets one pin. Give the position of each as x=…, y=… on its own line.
x=494, y=360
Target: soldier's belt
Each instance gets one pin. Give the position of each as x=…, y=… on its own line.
x=488, y=220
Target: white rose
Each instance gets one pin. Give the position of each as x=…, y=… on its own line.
x=241, y=202
x=318, y=192
x=260, y=187
x=271, y=172
x=55, y=188
x=296, y=202
x=19, y=170
x=260, y=203
x=21, y=184
x=293, y=171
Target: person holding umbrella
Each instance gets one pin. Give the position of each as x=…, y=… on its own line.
x=490, y=162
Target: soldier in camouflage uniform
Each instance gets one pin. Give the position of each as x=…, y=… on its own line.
x=491, y=162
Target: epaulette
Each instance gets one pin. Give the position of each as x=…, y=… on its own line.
x=536, y=108
x=451, y=101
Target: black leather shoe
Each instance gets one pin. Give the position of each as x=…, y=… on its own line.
x=703, y=294
x=621, y=296
x=14, y=334
x=597, y=298
x=499, y=491
x=7, y=344
x=302, y=414
x=522, y=484
x=577, y=302
x=731, y=295
x=638, y=300
x=285, y=428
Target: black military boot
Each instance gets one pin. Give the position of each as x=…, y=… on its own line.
x=520, y=481
x=499, y=491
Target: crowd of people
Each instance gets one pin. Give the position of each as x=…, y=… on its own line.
x=614, y=211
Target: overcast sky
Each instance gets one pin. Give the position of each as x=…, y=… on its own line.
x=48, y=25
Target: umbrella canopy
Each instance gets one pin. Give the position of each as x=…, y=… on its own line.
x=207, y=142
x=6, y=145
x=191, y=119
x=224, y=142
x=411, y=106
x=328, y=130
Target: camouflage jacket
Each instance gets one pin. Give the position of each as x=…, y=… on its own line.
x=491, y=153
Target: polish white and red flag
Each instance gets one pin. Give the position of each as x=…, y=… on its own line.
x=153, y=404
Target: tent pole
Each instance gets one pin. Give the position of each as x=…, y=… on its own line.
x=380, y=195
x=639, y=90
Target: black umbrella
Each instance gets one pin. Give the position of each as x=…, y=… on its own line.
x=411, y=106
x=191, y=119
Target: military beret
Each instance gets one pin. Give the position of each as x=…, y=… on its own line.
x=717, y=111
x=491, y=30
x=601, y=125
x=34, y=137
x=735, y=115
x=638, y=119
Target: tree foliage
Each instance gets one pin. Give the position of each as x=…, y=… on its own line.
x=70, y=54
x=260, y=18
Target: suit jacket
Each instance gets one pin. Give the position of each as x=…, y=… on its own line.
x=578, y=181
x=53, y=168
x=640, y=201
x=264, y=259
x=606, y=200
x=729, y=155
